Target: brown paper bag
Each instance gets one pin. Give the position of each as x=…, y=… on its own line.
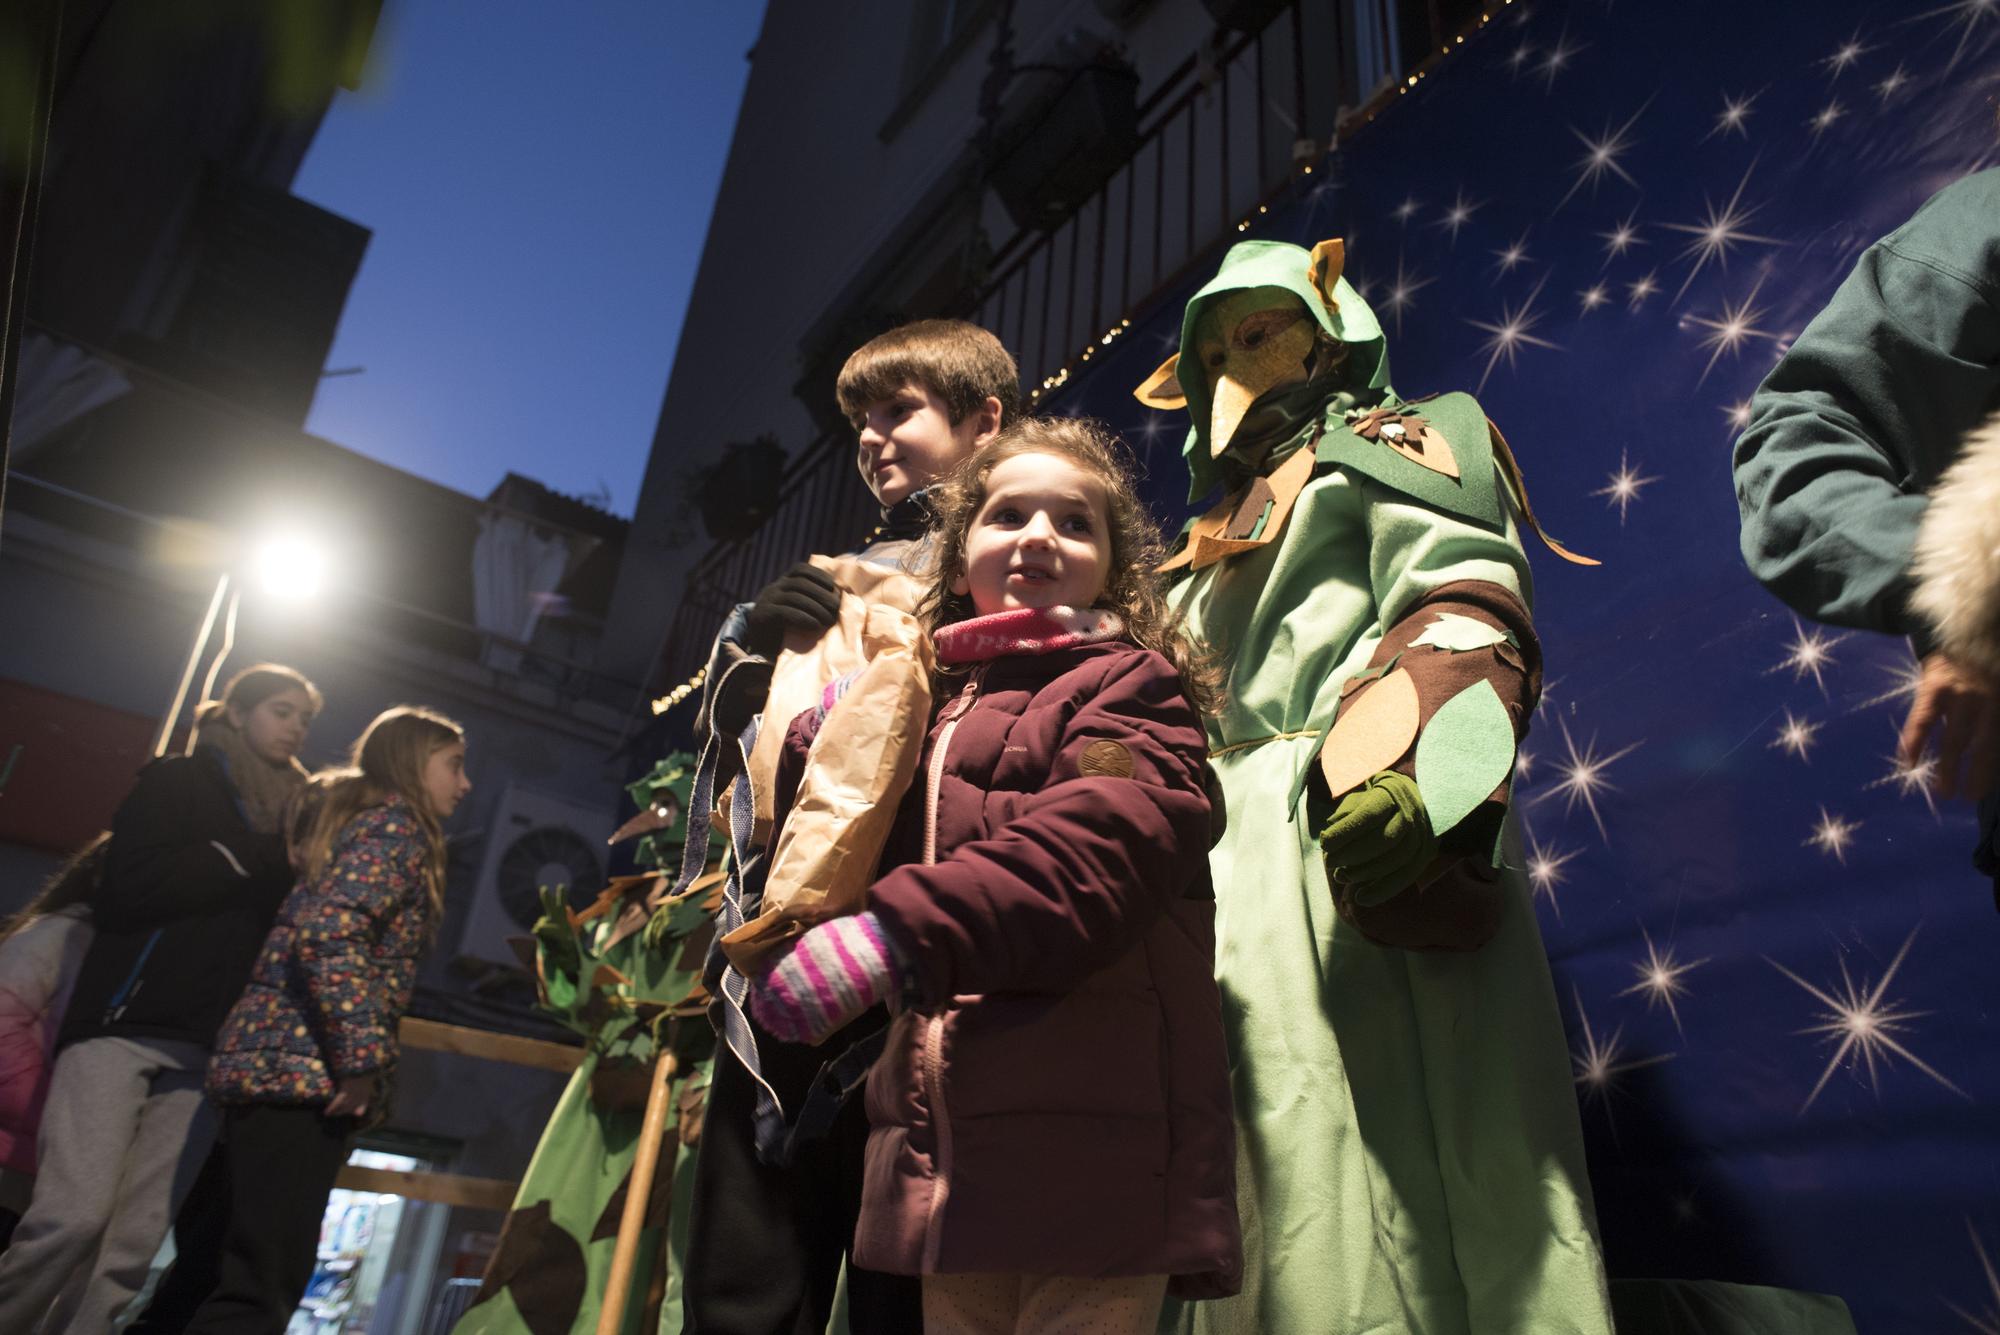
x=860, y=766
x=806, y=666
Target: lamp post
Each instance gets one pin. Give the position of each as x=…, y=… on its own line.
x=289, y=567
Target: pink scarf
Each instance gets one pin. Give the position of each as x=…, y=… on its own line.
x=1025, y=630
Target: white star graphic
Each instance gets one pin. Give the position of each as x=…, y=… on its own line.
x=1809, y=653
x=1845, y=55
x=1738, y=413
x=1904, y=678
x=1403, y=291
x=1524, y=764
x=1623, y=487
x=1510, y=332
x=1519, y=57
x=1600, y=157
x=1986, y=1322
x=1638, y=290
x=1719, y=231
x=1864, y=1025
x=1735, y=111
x=1558, y=58
x=1545, y=872
x=1660, y=978
x=1598, y=1065
x=1728, y=331
x=1583, y=777
x=1920, y=778
x=1827, y=115
x=1513, y=257
x=1966, y=15
x=1621, y=238
x=1458, y=215
x=1549, y=685
x=1887, y=87
x=1832, y=834
x=1796, y=736
x=1597, y=294
x=1406, y=210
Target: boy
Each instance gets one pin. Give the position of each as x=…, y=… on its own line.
x=766, y=1243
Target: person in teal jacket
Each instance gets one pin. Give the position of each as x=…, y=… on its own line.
x=1849, y=434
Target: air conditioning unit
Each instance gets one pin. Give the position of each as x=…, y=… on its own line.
x=535, y=840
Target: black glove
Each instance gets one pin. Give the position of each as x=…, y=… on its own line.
x=804, y=598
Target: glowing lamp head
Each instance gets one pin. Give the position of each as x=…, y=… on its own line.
x=290, y=567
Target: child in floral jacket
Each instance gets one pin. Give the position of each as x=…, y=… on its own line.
x=304, y=1059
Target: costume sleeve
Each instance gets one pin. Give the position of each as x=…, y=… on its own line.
x=371, y=879
x=1087, y=864
x=1853, y=421
x=154, y=873
x=1432, y=574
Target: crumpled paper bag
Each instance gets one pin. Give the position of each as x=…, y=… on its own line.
x=803, y=669
x=861, y=764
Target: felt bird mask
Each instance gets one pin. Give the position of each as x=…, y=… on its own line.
x=1259, y=326
x=1248, y=343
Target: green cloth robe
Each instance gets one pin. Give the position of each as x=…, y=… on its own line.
x=1410, y=1159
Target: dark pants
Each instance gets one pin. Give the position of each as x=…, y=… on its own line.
x=765, y=1244
x=281, y=1164
x=198, y=1236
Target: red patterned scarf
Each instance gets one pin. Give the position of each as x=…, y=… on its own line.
x=1025, y=630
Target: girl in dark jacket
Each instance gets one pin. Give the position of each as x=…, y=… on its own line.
x=306, y=1054
x=194, y=873
x=1052, y=1137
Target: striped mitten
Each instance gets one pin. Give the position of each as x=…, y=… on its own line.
x=833, y=973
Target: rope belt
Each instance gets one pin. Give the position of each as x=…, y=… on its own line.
x=1259, y=741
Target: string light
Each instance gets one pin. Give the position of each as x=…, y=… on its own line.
x=680, y=692
x=1058, y=379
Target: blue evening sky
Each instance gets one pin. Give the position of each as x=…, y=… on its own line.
x=538, y=178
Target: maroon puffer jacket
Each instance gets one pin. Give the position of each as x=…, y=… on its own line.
x=1057, y=1100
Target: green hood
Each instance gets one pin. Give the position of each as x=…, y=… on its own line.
x=1277, y=264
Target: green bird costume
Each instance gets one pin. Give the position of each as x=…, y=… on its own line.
x=1410, y=1157
x=626, y=975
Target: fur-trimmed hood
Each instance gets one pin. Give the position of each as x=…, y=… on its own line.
x=1955, y=572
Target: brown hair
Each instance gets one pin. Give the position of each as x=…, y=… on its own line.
x=253, y=686
x=74, y=882
x=959, y=362
x=387, y=761
x=1133, y=590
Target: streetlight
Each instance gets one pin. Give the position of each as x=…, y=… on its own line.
x=287, y=565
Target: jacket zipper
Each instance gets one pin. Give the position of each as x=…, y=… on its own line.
x=934, y=1024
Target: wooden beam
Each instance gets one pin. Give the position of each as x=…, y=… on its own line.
x=482, y=1193
x=484, y=1044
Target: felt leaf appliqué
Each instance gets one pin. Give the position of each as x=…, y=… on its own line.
x=1465, y=752
x=1459, y=634
x=1373, y=733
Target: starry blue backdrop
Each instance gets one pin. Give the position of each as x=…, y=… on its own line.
x=1779, y=973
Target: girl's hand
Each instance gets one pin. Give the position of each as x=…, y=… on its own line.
x=833, y=973
x=351, y=1096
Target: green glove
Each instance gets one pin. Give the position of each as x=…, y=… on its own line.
x=1379, y=840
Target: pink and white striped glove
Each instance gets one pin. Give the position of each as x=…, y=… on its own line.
x=833, y=973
